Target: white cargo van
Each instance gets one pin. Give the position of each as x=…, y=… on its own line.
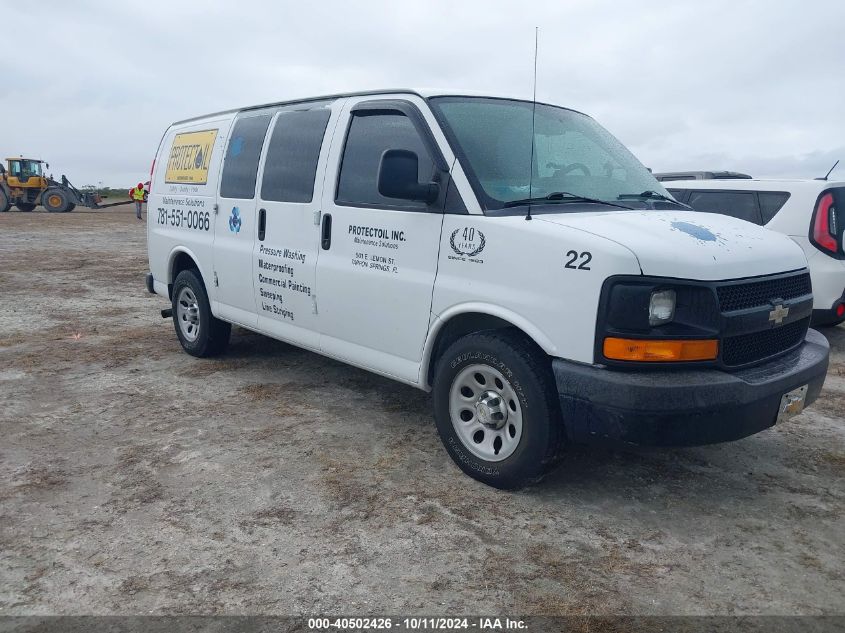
x=519, y=263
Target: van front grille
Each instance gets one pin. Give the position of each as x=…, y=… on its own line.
x=749, y=348
x=754, y=294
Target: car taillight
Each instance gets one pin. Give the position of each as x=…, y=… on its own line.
x=824, y=225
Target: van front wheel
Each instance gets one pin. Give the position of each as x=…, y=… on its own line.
x=200, y=332
x=496, y=409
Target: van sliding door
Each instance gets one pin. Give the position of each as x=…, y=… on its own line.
x=285, y=252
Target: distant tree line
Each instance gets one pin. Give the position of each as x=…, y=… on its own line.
x=111, y=192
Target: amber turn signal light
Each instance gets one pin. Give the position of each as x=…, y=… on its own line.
x=660, y=350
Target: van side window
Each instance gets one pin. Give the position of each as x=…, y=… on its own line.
x=737, y=204
x=370, y=135
x=771, y=202
x=240, y=167
x=291, y=164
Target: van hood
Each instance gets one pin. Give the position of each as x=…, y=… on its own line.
x=689, y=244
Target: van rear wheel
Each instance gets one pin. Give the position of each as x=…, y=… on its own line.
x=496, y=408
x=200, y=332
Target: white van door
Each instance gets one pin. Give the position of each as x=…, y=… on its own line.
x=378, y=255
x=288, y=234
x=236, y=223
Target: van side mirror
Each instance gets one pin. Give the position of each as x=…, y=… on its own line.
x=397, y=177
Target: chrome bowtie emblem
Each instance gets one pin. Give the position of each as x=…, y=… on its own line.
x=777, y=315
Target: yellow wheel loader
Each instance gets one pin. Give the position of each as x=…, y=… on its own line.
x=24, y=184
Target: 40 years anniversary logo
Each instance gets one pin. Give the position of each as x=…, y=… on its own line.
x=467, y=241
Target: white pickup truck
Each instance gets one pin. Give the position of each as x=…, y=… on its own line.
x=517, y=261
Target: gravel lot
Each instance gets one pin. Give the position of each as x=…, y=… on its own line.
x=137, y=479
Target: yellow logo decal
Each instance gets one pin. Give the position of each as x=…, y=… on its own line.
x=189, y=157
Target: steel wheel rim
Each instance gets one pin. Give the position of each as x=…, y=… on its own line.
x=488, y=429
x=188, y=314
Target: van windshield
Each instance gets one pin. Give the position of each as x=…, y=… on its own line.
x=572, y=153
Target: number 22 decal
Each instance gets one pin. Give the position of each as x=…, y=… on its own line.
x=586, y=256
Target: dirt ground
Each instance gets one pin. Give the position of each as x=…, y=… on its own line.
x=137, y=479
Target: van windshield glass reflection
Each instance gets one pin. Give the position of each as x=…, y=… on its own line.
x=572, y=152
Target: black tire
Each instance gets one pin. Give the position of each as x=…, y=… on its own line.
x=55, y=200
x=529, y=373
x=212, y=334
x=5, y=204
x=25, y=206
x=70, y=208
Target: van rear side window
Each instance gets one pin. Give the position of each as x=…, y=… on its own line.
x=240, y=167
x=291, y=163
x=771, y=202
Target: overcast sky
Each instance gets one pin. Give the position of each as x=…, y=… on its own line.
x=752, y=86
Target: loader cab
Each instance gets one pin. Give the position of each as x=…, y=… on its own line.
x=25, y=172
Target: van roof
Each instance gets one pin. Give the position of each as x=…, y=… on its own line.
x=754, y=184
x=422, y=93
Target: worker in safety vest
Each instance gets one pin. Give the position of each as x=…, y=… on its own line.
x=137, y=194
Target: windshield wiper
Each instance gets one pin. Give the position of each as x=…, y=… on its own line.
x=653, y=195
x=562, y=196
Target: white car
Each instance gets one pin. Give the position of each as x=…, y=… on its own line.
x=517, y=261
x=811, y=212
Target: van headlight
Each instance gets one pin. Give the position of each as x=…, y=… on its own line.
x=661, y=307
x=654, y=319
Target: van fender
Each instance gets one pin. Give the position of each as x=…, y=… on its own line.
x=171, y=260
x=439, y=321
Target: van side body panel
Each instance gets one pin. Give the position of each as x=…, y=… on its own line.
x=180, y=215
x=544, y=278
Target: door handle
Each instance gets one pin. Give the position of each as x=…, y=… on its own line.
x=326, y=238
x=262, y=224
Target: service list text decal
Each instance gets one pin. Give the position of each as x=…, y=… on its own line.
x=279, y=281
